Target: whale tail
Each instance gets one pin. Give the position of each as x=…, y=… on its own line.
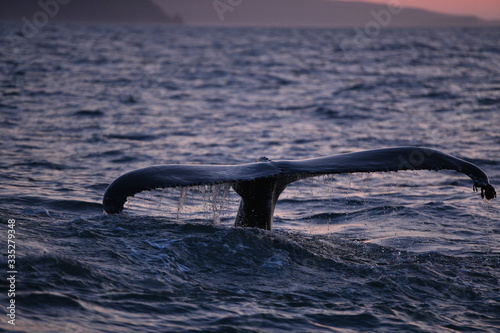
x=260, y=184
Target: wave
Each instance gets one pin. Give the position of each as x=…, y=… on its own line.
x=139, y=266
x=35, y=205
x=89, y=113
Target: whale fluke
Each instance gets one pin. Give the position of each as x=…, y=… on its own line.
x=260, y=184
x=488, y=192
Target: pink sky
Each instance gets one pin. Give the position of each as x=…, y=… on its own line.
x=486, y=9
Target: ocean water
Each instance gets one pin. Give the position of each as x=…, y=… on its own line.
x=387, y=252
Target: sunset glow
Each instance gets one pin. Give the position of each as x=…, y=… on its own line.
x=485, y=9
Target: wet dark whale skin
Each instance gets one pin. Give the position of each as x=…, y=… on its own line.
x=260, y=184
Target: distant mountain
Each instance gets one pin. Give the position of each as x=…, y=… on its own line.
x=309, y=13
x=306, y=13
x=124, y=11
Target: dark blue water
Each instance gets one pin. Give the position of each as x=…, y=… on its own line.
x=396, y=252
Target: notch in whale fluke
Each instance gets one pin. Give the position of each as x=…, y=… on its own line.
x=260, y=184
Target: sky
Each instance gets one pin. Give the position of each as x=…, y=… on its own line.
x=485, y=9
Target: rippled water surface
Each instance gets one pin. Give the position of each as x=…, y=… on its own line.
x=395, y=252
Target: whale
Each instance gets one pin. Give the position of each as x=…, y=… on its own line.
x=259, y=184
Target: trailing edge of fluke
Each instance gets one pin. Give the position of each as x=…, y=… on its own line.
x=260, y=184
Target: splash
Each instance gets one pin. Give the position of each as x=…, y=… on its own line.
x=205, y=203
